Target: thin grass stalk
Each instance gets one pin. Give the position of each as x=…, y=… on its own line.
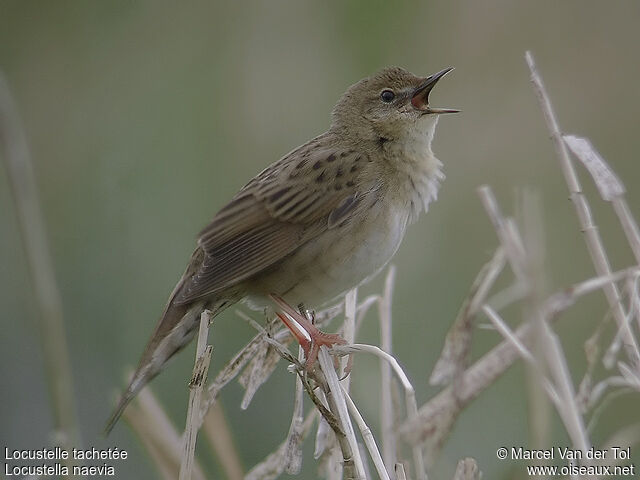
x=386, y=403
x=349, y=331
x=51, y=326
x=504, y=330
x=367, y=436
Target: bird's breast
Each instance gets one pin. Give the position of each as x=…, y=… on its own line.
x=338, y=260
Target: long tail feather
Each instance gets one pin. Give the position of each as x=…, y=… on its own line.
x=175, y=330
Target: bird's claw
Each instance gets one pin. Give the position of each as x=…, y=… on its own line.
x=308, y=335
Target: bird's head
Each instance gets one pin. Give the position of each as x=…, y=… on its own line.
x=388, y=105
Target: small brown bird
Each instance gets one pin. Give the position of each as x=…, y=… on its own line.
x=321, y=220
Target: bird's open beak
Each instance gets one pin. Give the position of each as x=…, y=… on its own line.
x=420, y=97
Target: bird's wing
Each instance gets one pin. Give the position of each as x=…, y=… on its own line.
x=304, y=194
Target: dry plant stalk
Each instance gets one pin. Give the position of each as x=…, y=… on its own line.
x=437, y=416
x=454, y=357
x=151, y=424
x=353, y=464
x=590, y=230
x=196, y=385
x=51, y=329
x=386, y=405
x=467, y=469
x=428, y=427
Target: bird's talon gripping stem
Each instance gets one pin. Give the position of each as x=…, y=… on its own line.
x=308, y=335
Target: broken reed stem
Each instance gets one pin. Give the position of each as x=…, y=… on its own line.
x=467, y=469
x=151, y=424
x=196, y=386
x=592, y=236
x=609, y=186
x=400, y=473
x=51, y=327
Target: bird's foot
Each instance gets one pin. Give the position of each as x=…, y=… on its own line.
x=308, y=335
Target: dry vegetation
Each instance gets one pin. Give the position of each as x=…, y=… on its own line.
x=407, y=446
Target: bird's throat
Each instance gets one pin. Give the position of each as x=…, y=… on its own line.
x=419, y=172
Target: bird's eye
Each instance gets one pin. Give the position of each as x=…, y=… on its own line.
x=387, y=96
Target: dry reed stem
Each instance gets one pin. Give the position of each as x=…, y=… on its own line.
x=400, y=473
x=568, y=406
x=592, y=236
x=349, y=332
x=454, y=356
x=528, y=258
x=434, y=420
x=609, y=186
x=336, y=415
x=467, y=469
x=323, y=438
x=196, y=386
x=436, y=417
x=51, y=328
x=368, y=437
x=548, y=345
x=629, y=225
x=272, y=466
x=386, y=405
x=161, y=461
x=293, y=459
x=229, y=372
x=409, y=392
x=150, y=423
x=353, y=465
x=504, y=330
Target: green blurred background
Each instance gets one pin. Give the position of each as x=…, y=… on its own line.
x=144, y=117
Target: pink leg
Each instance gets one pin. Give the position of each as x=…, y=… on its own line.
x=309, y=337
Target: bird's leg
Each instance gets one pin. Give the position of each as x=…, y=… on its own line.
x=309, y=337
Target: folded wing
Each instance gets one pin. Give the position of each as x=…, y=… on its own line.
x=289, y=203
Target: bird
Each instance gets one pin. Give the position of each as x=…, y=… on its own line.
x=321, y=220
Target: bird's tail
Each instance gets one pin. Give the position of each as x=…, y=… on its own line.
x=172, y=333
